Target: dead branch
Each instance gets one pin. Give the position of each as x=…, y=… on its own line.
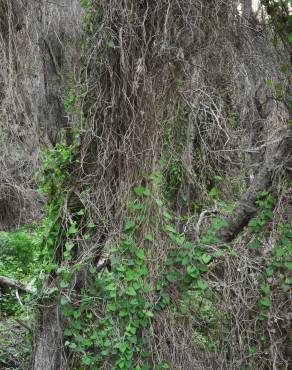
x=246, y=207
x=10, y=283
x=201, y=220
x=20, y=322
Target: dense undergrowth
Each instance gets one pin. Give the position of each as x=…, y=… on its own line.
x=20, y=260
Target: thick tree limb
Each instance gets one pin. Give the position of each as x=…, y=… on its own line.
x=246, y=206
x=10, y=283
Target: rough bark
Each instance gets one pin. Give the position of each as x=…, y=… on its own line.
x=247, y=9
x=246, y=207
x=49, y=349
x=50, y=105
x=48, y=353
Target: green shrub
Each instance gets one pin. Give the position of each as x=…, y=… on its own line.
x=17, y=250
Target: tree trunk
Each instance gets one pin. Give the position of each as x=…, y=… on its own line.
x=247, y=9
x=48, y=352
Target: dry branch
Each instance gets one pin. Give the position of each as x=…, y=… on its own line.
x=10, y=283
x=201, y=220
x=246, y=207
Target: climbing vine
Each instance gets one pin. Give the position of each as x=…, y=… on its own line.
x=109, y=320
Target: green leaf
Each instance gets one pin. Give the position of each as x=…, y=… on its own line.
x=202, y=284
x=51, y=267
x=170, y=229
x=131, y=292
x=69, y=246
x=177, y=238
x=269, y=271
x=139, y=207
x=141, y=191
x=84, y=4
x=269, y=83
x=167, y=215
x=140, y=253
x=193, y=271
x=149, y=314
x=279, y=251
x=141, y=219
x=290, y=37
x=110, y=44
x=213, y=192
x=81, y=212
x=67, y=332
x=86, y=360
x=253, y=223
x=90, y=225
x=253, y=246
x=268, y=214
x=63, y=301
x=111, y=307
x=129, y=226
x=123, y=313
x=78, y=267
x=77, y=314
x=185, y=260
x=131, y=329
x=206, y=258
x=149, y=237
x=92, y=269
x=169, y=262
x=164, y=366
x=64, y=284
x=130, y=275
x=285, y=68
x=73, y=228
x=137, y=285
x=266, y=289
x=143, y=271
x=110, y=287
x=218, y=223
x=120, y=267
x=252, y=350
x=159, y=202
x=86, y=237
x=209, y=240
x=172, y=276
x=73, y=345
x=265, y=302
